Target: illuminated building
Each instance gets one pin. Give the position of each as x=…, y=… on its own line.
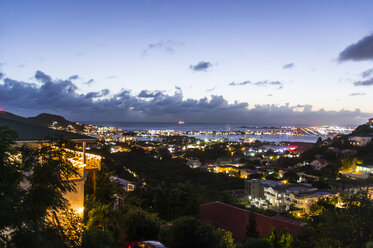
x=364, y=169
x=305, y=200
x=361, y=139
x=33, y=136
x=370, y=122
x=127, y=185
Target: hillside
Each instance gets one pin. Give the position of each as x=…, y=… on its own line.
x=42, y=120
x=37, y=128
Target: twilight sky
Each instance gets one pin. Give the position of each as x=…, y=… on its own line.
x=272, y=62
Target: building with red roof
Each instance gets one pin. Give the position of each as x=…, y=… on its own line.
x=236, y=220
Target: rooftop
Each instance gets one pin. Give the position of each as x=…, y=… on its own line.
x=236, y=220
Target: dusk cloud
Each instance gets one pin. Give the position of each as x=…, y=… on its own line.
x=201, y=66
x=211, y=89
x=258, y=83
x=367, y=73
x=150, y=94
x=368, y=82
x=59, y=96
x=357, y=94
x=288, y=66
x=168, y=46
x=361, y=50
x=74, y=77
x=97, y=94
x=89, y=82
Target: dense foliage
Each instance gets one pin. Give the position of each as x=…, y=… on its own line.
x=350, y=226
x=33, y=212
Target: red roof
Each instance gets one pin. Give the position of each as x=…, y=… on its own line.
x=236, y=220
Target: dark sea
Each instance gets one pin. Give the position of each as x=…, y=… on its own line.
x=145, y=126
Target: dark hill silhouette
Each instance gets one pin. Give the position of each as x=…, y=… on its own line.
x=46, y=120
x=43, y=120
x=37, y=128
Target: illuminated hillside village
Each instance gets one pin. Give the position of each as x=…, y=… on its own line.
x=284, y=184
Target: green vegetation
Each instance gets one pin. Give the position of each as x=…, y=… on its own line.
x=188, y=232
x=33, y=212
x=164, y=205
x=350, y=226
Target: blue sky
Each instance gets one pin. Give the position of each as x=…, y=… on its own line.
x=153, y=45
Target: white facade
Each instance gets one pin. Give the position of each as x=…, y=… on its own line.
x=360, y=140
x=318, y=164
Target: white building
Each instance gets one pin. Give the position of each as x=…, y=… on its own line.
x=276, y=196
x=305, y=200
x=318, y=164
x=360, y=140
x=364, y=169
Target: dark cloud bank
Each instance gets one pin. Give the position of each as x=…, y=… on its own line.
x=62, y=97
x=361, y=50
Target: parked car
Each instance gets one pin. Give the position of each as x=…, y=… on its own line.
x=145, y=244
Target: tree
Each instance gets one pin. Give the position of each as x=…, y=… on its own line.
x=188, y=232
x=347, y=164
x=11, y=177
x=272, y=238
x=105, y=188
x=254, y=243
x=319, y=142
x=322, y=205
x=32, y=206
x=349, y=226
x=225, y=239
x=97, y=238
x=100, y=217
x=272, y=176
x=284, y=240
x=138, y=225
x=175, y=201
x=251, y=231
x=291, y=177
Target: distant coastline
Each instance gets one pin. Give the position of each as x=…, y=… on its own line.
x=210, y=127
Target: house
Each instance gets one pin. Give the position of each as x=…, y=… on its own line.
x=254, y=189
x=272, y=194
x=360, y=139
x=370, y=122
x=127, y=185
x=351, y=189
x=364, y=169
x=305, y=200
x=318, y=164
x=277, y=196
x=34, y=135
x=236, y=220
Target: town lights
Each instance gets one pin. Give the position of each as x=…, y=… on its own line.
x=292, y=148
